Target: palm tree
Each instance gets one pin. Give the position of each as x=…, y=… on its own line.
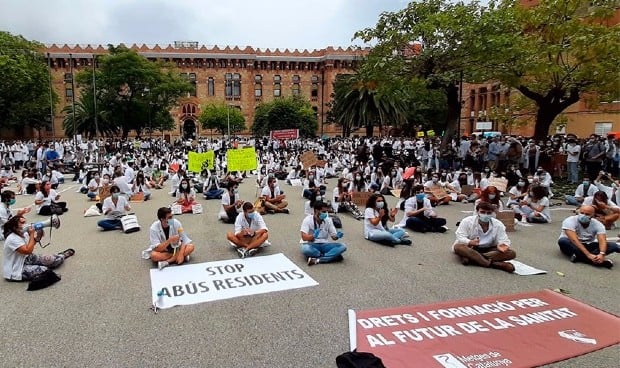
x=84, y=120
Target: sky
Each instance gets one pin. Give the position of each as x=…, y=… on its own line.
x=292, y=24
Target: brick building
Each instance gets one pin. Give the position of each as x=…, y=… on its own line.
x=242, y=78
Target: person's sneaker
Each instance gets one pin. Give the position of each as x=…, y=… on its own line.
x=465, y=201
x=607, y=264
x=251, y=252
x=187, y=258
x=285, y=210
x=406, y=235
x=312, y=261
x=504, y=266
x=241, y=251
x=464, y=261
x=338, y=258
x=266, y=244
x=162, y=264
x=573, y=258
x=405, y=242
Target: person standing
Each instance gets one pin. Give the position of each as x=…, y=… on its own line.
x=572, y=161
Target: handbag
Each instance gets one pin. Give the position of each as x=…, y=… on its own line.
x=130, y=224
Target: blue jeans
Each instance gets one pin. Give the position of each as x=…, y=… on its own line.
x=567, y=247
x=325, y=252
x=213, y=194
x=109, y=224
x=387, y=237
x=572, y=200
x=528, y=212
x=573, y=172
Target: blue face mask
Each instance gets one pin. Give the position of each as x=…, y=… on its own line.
x=420, y=196
x=583, y=219
x=170, y=222
x=484, y=217
x=323, y=216
x=251, y=215
x=380, y=205
x=12, y=202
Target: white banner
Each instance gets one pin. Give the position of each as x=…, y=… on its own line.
x=205, y=282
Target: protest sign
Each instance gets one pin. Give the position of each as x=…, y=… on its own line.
x=241, y=159
x=360, y=198
x=519, y=330
x=500, y=183
x=430, y=133
x=284, y=134
x=196, y=160
x=308, y=159
x=420, y=134
x=205, y=282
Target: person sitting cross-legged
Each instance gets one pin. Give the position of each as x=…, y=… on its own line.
x=250, y=232
x=583, y=239
x=316, y=229
x=169, y=243
x=274, y=200
x=114, y=207
x=481, y=240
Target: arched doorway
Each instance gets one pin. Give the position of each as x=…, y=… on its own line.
x=189, y=129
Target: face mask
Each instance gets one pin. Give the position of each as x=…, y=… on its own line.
x=115, y=195
x=380, y=205
x=169, y=222
x=586, y=183
x=486, y=170
x=491, y=196
x=520, y=184
x=484, y=217
x=184, y=186
x=251, y=215
x=310, y=177
x=420, y=196
x=96, y=177
x=105, y=181
x=358, y=177
x=393, y=173
x=12, y=202
x=531, y=194
x=435, y=180
x=318, y=198
x=323, y=216
x=530, y=180
x=236, y=191
x=583, y=219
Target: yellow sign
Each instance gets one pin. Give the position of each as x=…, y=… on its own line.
x=420, y=134
x=241, y=159
x=430, y=133
x=196, y=160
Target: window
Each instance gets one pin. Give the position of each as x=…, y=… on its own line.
x=258, y=90
x=296, y=78
x=211, y=86
x=602, y=128
x=315, y=79
x=233, y=85
x=68, y=91
x=277, y=79
x=314, y=92
x=191, y=78
x=277, y=90
x=68, y=77
x=295, y=89
x=258, y=78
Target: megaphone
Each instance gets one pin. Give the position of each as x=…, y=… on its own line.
x=54, y=222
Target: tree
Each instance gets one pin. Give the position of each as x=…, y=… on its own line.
x=434, y=40
x=136, y=92
x=84, y=120
x=25, y=88
x=285, y=113
x=555, y=53
x=221, y=117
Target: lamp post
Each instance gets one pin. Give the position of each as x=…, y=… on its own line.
x=228, y=119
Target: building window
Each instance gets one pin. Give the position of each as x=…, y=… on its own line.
x=211, y=86
x=296, y=78
x=68, y=91
x=258, y=78
x=295, y=89
x=315, y=79
x=314, y=92
x=602, y=128
x=233, y=85
x=68, y=77
x=191, y=78
x=258, y=90
x=277, y=90
x=277, y=79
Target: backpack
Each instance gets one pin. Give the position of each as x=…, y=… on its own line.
x=355, y=359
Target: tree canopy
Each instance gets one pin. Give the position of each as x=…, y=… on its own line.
x=285, y=113
x=221, y=117
x=25, y=88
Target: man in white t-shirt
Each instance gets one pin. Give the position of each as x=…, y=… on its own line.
x=572, y=161
x=316, y=229
x=583, y=239
x=250, y=232
x=273, y=198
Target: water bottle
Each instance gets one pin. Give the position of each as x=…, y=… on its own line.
x=160, y=298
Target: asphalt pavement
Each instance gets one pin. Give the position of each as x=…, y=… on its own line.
x=98, y=314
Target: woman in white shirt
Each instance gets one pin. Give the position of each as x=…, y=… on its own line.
x=19, y=261
x=535, y=206
x=141, y=185
x=46, y=201
x=186, y=196
x=376, y=217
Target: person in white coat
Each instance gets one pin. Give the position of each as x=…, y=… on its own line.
x=169, y=244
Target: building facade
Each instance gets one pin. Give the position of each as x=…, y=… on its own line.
x=241, y=78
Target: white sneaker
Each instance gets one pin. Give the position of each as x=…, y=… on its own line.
x=241, y=252
x=266, y=244
x=162, y=264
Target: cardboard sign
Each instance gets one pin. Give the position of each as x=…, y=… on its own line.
x=241, y=159
x=467, y=189
x=500, y=183
x=519, y=330
x=308, y=159
x=360, y=198
x=439, y=193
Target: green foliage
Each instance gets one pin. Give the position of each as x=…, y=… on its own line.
x=25, y=88
x=84, y=120
x=220, y=117
x=285, y=113
x=136, y=93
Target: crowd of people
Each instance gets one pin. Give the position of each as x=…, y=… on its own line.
x=495, y=174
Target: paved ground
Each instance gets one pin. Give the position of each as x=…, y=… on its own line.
x=98, y=316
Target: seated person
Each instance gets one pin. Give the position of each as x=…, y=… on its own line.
x=342, y=199
x=186, y=196
x=250, y=232
x=583, y=239
x=490, y=194
x=316, y=229
x=310, y=184
x=47, y=202
x=231, y=203
x=7, y=199
x=376, y=217
x=604, y=210
x=120, y=180
x=585, y=189
x=141, y=185
x=211, y=188
x=432, y=188
x=169, y=243
x=518, y=193
x=274, y=201
x=19, y=261
x=535, y=206
x=114, y=207
x=419, y=215
x=29, y=183
x=481, y=240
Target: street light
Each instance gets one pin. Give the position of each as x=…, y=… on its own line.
x=228, y=119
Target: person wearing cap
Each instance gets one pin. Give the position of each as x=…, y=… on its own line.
x=318, y=234
x=481, y=240
x=583, y=239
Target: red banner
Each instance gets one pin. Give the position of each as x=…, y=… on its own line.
x=285, y=134
x=519, y=330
